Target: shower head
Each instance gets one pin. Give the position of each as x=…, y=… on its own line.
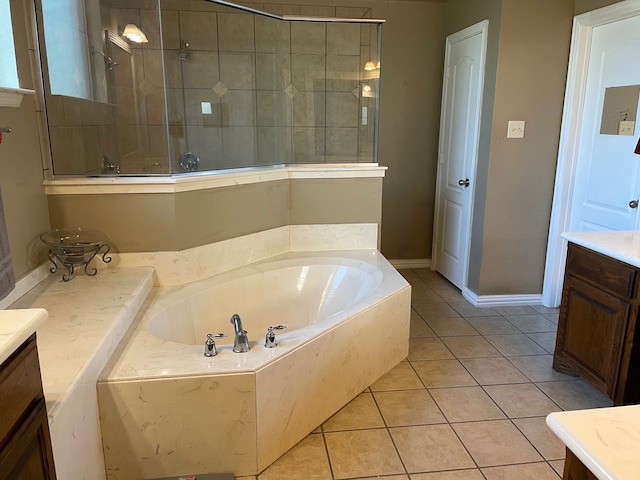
x=108, y=61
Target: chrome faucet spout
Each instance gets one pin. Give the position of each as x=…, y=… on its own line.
x=241, y=341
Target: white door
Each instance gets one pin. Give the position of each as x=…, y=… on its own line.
x=607, y=174
x=458, y=149
x=598, y=175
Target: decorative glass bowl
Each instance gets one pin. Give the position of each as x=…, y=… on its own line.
x=74, y=248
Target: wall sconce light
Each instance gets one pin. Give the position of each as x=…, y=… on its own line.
x=133, y=33
x=369, y=66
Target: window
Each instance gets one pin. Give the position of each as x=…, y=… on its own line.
x=8, y=69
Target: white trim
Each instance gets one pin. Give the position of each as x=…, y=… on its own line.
x=501, y=300
x=411, y=263
x=207, y=180
x=569, y=138
x=482, y=29
x=26, y=283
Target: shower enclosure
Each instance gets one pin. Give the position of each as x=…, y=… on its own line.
x=160, y=87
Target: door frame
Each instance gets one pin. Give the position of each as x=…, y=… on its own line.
x=480, y=28
x=568, y=151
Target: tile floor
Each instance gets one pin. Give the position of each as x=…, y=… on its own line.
x=469, y=402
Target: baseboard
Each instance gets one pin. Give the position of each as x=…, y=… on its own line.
x=501, y=300
x=26, y=283
x=411, y=263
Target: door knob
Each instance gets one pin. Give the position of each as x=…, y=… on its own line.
x=465, y=183
x=633, y=204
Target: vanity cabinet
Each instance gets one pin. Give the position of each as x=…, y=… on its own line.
x=574, y=469
x=25, y=444
x=597, y=325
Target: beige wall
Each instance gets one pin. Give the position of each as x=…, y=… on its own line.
x=583, y=6
x=25, y=204
x=161, y=222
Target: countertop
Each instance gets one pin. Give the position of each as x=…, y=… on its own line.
x=606, y=440
x=16, y=326
x=621, y=245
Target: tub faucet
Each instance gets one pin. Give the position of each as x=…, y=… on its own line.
x=241, y=342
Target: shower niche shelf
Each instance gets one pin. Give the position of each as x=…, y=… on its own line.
x=75, y=248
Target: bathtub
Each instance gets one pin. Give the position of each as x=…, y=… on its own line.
x=166, y=409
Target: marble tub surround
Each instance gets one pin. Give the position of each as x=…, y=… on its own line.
x=606, y=440
x=621, y=245
x=193, y=264
x=156, y=395
x=87, y=318
x=16, y=326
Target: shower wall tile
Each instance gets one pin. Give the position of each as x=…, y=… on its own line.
x=200, y=70
x=273, y=71
x=175, y=105
x=273, y=145
x=308, y=144
x=272, y=35
x=353, y=12
x=317, y=11
x=155, y=102
x=237, y=70
x=342, y=144
x=150, y=25
x=108, y=142
x=236, y=32
x=282, y=9
x=342, y=109
x=309, y=109
x=177, y=145
x=72, y=111
x=239, y=146
x=152, y=65
x=343, y=39
x=172, y=69
x=308, y=37
x=239, y=108
x=272, y=109
x=158, y=147
x=198, y=29
x=308, y=72
x=170, y=29
x=55, y=110
x=193, y=99
x=343, y=72
x=206, y=144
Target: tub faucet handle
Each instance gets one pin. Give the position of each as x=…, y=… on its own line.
x=210, y=345
x=270, y=338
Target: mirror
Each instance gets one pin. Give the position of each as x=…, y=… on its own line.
x=620, y=110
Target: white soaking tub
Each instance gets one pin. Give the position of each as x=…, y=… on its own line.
x=166, y=409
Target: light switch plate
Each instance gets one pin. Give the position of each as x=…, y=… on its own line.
x=515, y=129
x=626, y=127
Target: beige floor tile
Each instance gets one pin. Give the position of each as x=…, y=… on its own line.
x=249, y=477
x=465, y=309
x=466, y=404
x=428, y=349
x=558, y=466
x=516, y=309
x=532, y=323
x=430, y=448
x=451, y=327
x=574, y=394
x=493, y=371
x=307, y=460
x=408, y=407
x=521, y=400
x=410, y=276
x=359, y=414
x=546, y=340
x=515, y=345
x=541, y=436
x=419, y=328
x=362, y=453
x=470, y=347
x=528, y=471
x=448, y=292
x=387, y=477
x=496, y=442
x=452, y=475
x=553, y=317
x=492, y=325
x=443, y=373
x=435, y=310
x=424, y=294
x=538, y=368
x=400, y=377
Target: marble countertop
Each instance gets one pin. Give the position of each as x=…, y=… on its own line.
x=88, y=317
x=606, y=440
x=16, y=326
x=621, y=245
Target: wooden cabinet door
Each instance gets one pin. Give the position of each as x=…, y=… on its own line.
x=28, y=455
x=591, y=333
